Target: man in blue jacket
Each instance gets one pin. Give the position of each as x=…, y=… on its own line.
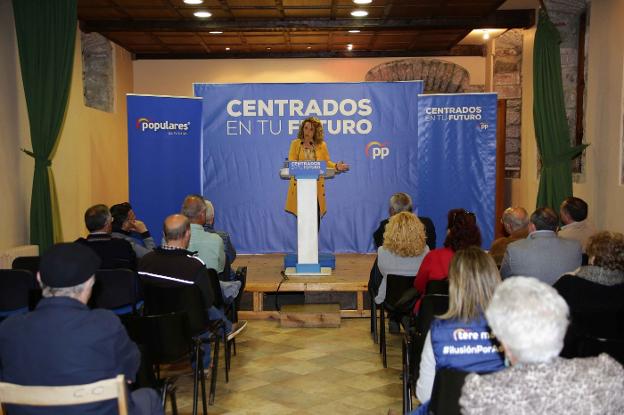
x=63, y=342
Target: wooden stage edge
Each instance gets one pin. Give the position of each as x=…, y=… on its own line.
x=264, y=276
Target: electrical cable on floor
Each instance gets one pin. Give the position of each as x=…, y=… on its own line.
x=284, y=278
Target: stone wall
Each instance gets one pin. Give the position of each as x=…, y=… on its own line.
x=508, y=84
x=97, y=72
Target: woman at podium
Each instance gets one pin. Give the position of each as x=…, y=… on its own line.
x=310, y=146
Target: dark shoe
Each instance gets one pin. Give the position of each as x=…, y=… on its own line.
x=394, y=327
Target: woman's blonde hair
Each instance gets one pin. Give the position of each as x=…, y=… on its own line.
x=318, y=129
x=405, y=235
x=473, y=276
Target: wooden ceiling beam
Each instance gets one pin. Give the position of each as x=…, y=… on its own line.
x=499, y=19
x=459, y=50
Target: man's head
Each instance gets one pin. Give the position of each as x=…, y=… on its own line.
x=400, y=202
x=177, y=231
x=122, y=214
x=515, y=219
x=209, y=212
x=68, y=270
x=544, y=219
x=98, y=219
x=573, y=209
x=194, y=208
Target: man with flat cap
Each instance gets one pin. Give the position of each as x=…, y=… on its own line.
x=63, y=342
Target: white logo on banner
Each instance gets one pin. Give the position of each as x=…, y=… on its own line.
x=453, y=113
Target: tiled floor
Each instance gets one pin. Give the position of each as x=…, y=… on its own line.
x=306, y=371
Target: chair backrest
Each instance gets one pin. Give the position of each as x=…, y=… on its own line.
x=114, y=288
x=446, y=392
x=15, y=288
x=163, y=297
x=437, y=287
x=396, y=286
x=102, y=390
x=219, y=302
x=31, y=263
x=431, y=305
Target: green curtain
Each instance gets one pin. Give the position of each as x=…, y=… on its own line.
x=46, y=34
x=551, y=127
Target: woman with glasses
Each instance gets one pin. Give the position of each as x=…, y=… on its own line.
x=462, y=232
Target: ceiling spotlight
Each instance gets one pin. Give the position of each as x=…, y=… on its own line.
x=486, y=35
x=227, y=48
x=349, y=46
x=268, y=48
x=193, y=1
x=354, y=31
x=202, y=14
x=309, y=47
x=362, y=1
x=359, y=13
x=215, y=32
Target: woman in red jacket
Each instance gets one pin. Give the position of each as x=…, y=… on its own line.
x=462, y=232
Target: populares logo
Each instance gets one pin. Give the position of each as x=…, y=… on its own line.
x=171, y=128
x=375, y=150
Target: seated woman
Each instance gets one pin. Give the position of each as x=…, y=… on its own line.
x=403, y=249
x=462, y=232
x=473, y=276
x=530, y=319
x=595, y=292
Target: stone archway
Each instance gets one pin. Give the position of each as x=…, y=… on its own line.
x=438, y=76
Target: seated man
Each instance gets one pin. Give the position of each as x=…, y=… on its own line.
x=230, y=251
x=173, y=259
x=402, y=202
x=576, y=226
x=114, y=252
x=515, y=220
x=542, y=254
x=209, y=246
x=62, y=342
x=127, y=226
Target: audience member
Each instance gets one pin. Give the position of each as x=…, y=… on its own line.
x=114, y=252
x=403, y=249
x=230, y=251
x=402, y=202
x=576, y=226
x=473, y=276
x=127, y=226
x=63, y=342
x=529, y=318
x=173, y=259
x=515, y=220
x=595, y=290
x=462, y=232
x=542, y=254
x=209, y=246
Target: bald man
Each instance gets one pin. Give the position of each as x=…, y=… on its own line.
x=515, y=220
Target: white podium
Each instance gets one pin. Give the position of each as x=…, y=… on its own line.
x=306, y=173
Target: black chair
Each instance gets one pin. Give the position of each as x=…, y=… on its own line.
x=174, y=297
x=117, y=290
x=593, y=332
x=373, y=286
x=447, y=386
x=16, y=288
x=396, y=286
x=414, y=340
x=31, y=263
x=437, y=287
x=229, y=310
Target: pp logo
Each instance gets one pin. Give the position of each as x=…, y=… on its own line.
x=375, y=150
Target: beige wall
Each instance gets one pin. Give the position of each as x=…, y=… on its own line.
x=604, y=115
x=169, y=77
x=90, y=162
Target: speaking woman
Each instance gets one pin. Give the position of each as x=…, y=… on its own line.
x=310, y=146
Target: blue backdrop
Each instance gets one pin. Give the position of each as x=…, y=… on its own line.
x=457, y=158
x=247, y=130
x=164, y=155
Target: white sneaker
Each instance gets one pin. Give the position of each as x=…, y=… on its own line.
x=236, y=329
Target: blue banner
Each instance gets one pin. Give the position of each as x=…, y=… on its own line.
x=164, y=155
x=247, y=131
x=457, y=158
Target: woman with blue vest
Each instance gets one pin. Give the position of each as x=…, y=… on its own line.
x=461, y=339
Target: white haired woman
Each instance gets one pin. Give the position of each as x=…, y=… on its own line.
x=530, y=320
